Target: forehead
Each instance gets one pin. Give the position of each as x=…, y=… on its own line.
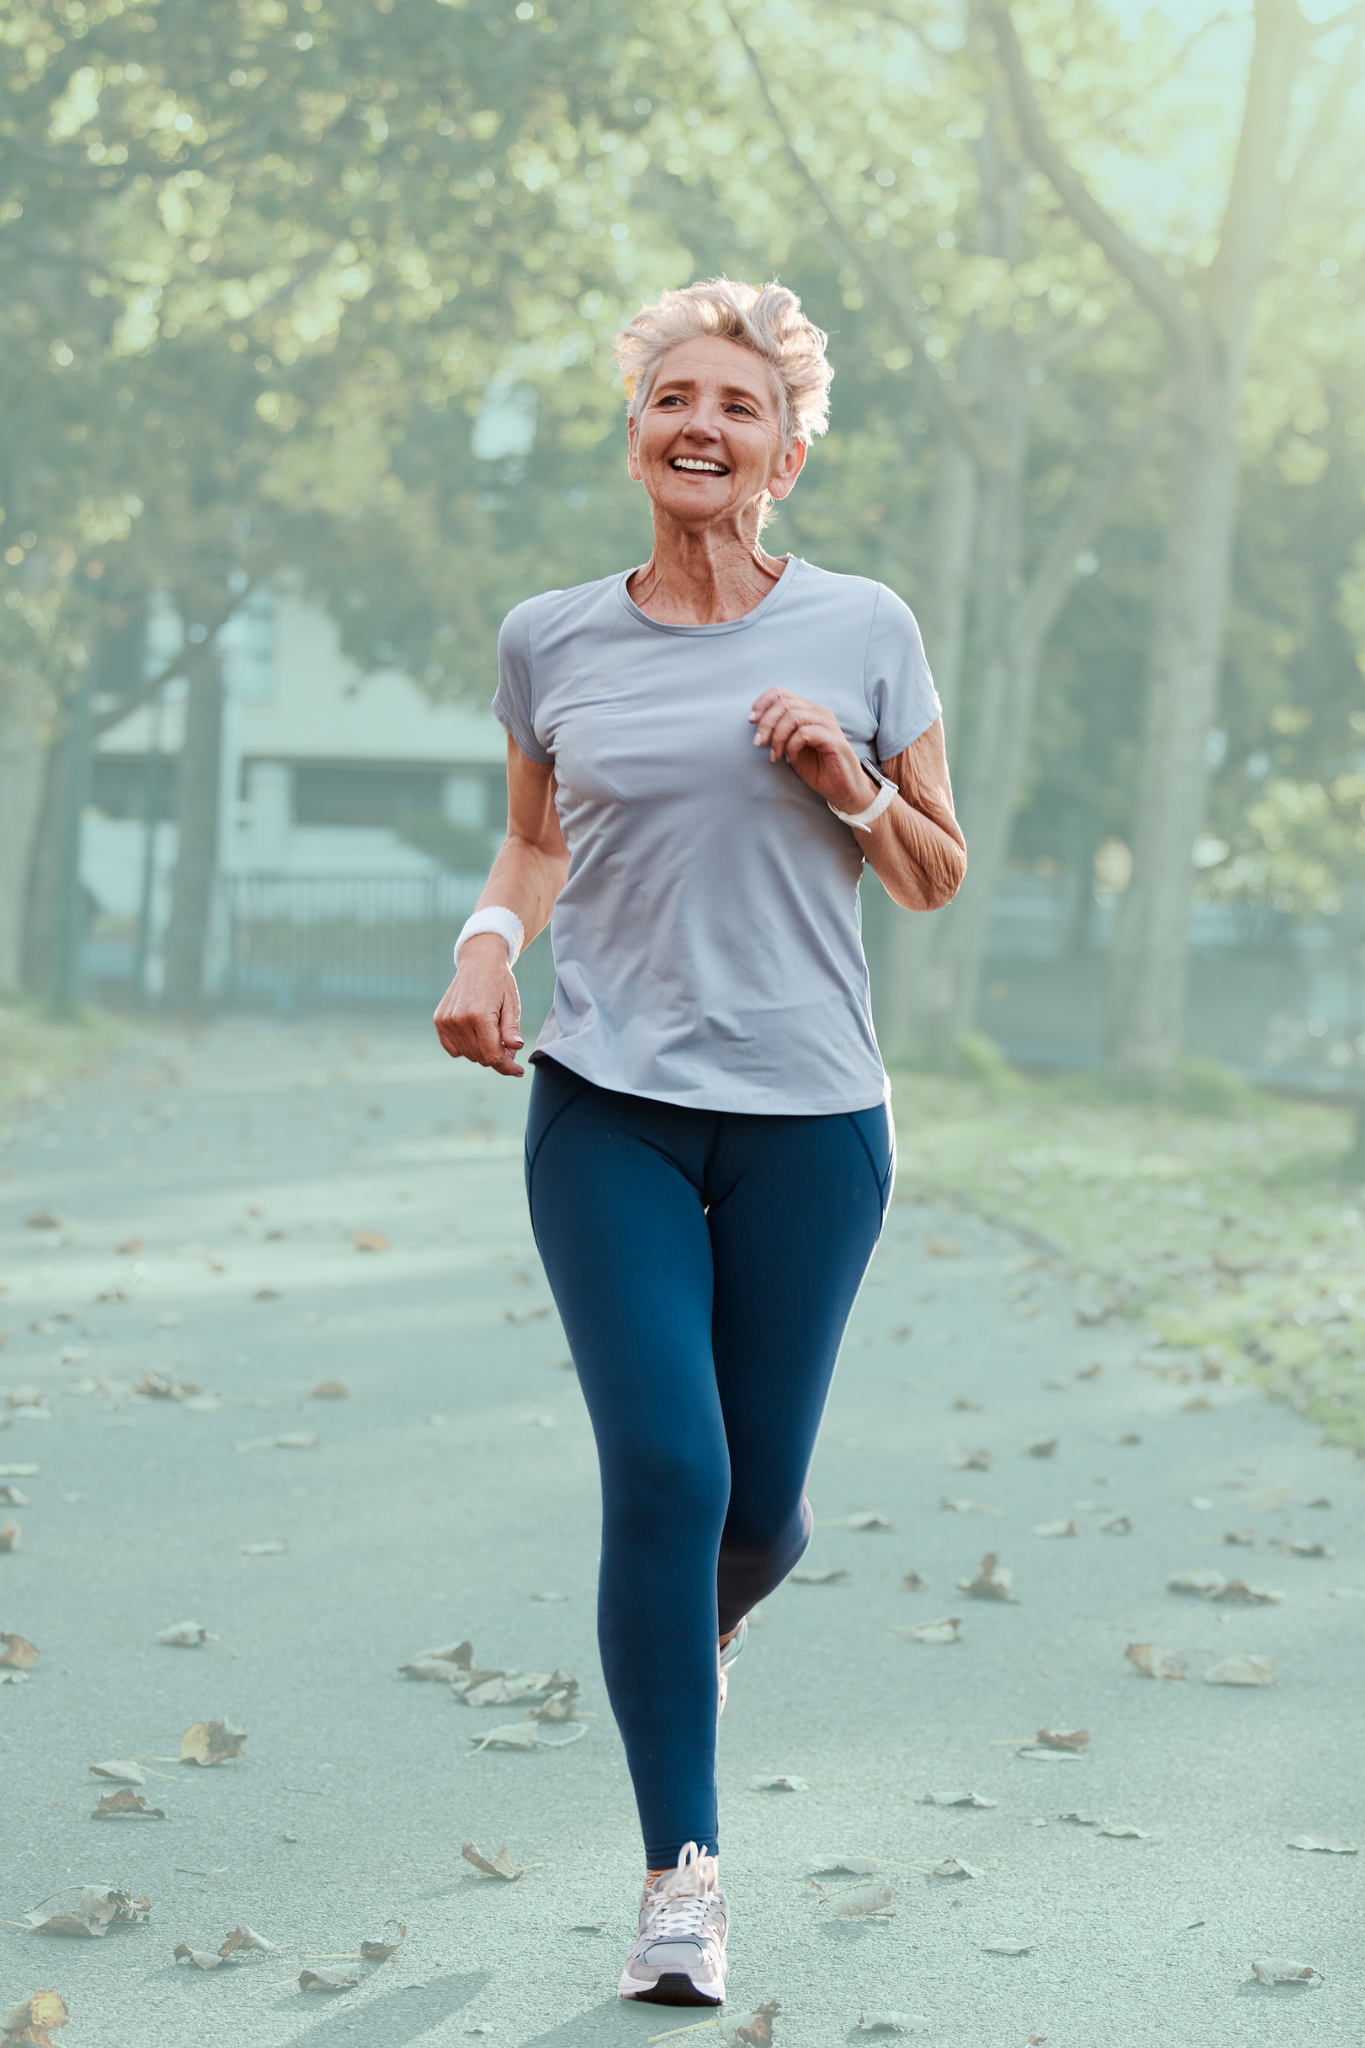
x=710, y=362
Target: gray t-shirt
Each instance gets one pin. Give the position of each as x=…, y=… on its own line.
x=706, y=944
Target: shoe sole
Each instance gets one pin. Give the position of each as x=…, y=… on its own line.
x=674, y=1987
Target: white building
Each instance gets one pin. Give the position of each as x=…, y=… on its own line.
x=322, y=766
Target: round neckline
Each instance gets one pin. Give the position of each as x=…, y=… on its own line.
x=716, y=625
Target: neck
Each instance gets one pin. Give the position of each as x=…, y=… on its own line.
x=704, y=576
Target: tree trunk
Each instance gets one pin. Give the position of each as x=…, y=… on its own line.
x=22, y=775
x=196, y=810
x=907, y=940
x=43, y=880
x=1148, y=966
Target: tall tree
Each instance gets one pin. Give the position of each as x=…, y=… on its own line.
x=1208, y=323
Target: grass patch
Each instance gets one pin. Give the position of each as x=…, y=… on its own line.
x=37, y=1054
x=1233, y=1223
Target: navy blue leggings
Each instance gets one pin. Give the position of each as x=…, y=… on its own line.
x=704, y=1265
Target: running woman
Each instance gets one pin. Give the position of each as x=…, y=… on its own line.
x=702, y=754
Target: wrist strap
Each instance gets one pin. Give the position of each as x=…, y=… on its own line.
x=504, y=922
x=862, y=821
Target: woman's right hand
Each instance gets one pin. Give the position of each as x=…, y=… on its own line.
x=479, y=1016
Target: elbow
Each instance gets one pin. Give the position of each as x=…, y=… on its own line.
x=954, y=875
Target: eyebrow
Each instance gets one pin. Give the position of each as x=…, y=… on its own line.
x=691, y=383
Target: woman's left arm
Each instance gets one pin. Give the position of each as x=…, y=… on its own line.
x=916, y=846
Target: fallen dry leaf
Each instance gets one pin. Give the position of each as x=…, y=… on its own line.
x=202, y=1958
x=267, y=1294
x=185, y=1635
x=1083, y=1817
x=13, y=1497
x=893, y=2023
x=243, y=1938
x=954, y=1799
x=43, y=1219
x=861, y=1900
x=1122, y=1830
x=944, y=1248
x=913, y=1581
x=1090, y=1372
x=828, y=1577
x=513, y=1735
x=17, y=1653
x=1074, y=1739
x=296, y=1440
x=380, y=1951
x=783, y=1784
x=1331, y=1845
x=1276, y=1970
x=94, y=1913
x=1155, y=1663
x=1199, y=1405
x=329, y=1390
x=370, y=1241
x=211, y=1742
x=945, y=1631
x=1061, y=1528
x=965, y=1406
x=344, y=1979
x=836, y=1863
x=1130, y=1437
x=1237, y=1593
x=1273, y=1497
x=9, y=1535
x=32, y=2021
x=992, y=1582
x=1041, y=1447
x=1303, y=1548
x=954, y=1866
x=500, y=1865
x=867, y=1518
x=968, y=1507
x=1007, y=1948
x=124, y=1803
x=751, y=2029
x=122, y=1770
x=1198, y=1584
x=1244, y=1537
x=157, y=1386
x=275, y=1549
x=1117, y=1525
x=1242, y=1671
x=971, y=1458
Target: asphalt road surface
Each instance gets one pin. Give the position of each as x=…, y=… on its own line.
x=259, y=1208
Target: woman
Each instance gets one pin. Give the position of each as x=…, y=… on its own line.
x=693, y=791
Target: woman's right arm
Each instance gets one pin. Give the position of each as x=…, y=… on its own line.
x=479, y=1016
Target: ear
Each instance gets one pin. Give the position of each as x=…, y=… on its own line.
x=788, y=470
x=633, y=453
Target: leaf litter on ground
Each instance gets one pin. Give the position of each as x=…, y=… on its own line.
x=1059, y=1528
x=1241, y=1671
x=125, y=1804
x=97, y=1909
x=945, y=1631
x=31, y=2021
x=992, y=1582
x=211, y=1742
x=1154, y=1662
x=17, y=1653
x=122, y=1770
x=955, y=1867
x=787, y=1783
x=1330, y=1845
x=836, y=1863
x=955, y=1799
x=861, y=1901
x=1278, y=1970
x=380, y=1951
x=831, y=1575
x=971, y=1458
x=893, y=2023
x=499, y=1866
x=967, y=1507
x=185, y=1635
x=344, y=1979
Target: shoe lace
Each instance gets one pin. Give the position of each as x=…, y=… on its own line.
x=679, y=1903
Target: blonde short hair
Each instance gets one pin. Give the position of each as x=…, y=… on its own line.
x=766, y=319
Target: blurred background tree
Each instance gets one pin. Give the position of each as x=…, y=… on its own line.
x=269, y=268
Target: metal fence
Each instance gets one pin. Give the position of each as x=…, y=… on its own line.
x=302, y=942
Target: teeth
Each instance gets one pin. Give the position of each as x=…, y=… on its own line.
x=706, y=468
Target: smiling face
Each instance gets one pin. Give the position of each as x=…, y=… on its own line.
x=707, y=443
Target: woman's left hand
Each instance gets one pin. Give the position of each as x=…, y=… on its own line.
x=811, y=740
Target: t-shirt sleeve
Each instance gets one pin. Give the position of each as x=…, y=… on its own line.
x=900, y=689
x=514, y=703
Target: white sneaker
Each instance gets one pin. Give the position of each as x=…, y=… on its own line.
x=727, y=1657
x=679, y=1952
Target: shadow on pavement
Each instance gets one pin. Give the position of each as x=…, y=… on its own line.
x=399, y=2016
x=617, y=2020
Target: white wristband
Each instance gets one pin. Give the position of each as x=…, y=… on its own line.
x=882, y=801
x=505, y=923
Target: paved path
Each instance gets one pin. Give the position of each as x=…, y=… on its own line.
x=455, y=1485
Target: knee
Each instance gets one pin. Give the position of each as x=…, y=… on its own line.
x=757, y=1541
x=651, y=1484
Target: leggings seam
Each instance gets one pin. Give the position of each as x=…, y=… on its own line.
x=878, y=1182
x=531, y=1157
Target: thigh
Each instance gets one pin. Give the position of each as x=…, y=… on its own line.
x=621, y=1230
x=792, y=1231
